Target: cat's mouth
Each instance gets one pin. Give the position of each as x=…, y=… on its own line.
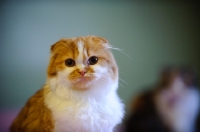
x=82, y=82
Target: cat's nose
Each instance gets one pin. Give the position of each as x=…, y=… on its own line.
x=82, y=72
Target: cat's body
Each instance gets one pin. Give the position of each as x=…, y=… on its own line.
x=80, y=94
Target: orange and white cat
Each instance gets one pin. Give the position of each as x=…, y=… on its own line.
x=80, y=94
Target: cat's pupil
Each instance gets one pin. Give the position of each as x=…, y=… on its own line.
x=92, y=60
x=70, y=62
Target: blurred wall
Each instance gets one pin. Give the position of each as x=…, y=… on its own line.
x=152, y=33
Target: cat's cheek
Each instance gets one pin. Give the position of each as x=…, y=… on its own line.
x=53, y=82
x=64, y=74
x=67, y=71
x=99, y=69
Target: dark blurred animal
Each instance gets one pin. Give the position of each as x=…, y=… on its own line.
x=171, y=106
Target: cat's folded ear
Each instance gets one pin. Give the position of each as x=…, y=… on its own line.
x=52, y=65
x=103, y=40
x=54, y=45
x=51, y=71
x=99, y=39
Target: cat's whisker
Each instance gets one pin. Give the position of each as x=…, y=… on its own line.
x=120, y=50
x=121, y=85
x=108, y=76
x=123, y=81
x=103, y=80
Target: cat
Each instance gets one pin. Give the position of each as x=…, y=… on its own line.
x=172, y=104
x=80, y=94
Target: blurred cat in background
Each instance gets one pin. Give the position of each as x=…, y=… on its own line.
x=172, y=106
x=80, y=94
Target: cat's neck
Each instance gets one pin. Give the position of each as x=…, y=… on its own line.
x=91, y=107
x=61, y=97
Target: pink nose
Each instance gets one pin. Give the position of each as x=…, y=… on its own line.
x=82, y=73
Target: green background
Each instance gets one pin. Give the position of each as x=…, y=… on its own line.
x=153, y=33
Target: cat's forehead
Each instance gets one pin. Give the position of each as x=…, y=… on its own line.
x=79, y=47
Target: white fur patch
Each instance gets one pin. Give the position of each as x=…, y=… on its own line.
x=90, y=111
x=80, y=50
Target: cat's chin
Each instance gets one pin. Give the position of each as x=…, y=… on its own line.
x=82, y=84
x=80, y=87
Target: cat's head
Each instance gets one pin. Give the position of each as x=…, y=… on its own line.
x=82, y=62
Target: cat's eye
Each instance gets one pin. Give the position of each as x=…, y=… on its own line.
x=92, y=60
x=69, y=62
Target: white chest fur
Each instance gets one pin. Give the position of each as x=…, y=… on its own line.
x=85, y=114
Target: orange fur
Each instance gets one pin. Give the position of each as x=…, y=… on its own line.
x=34, y=116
